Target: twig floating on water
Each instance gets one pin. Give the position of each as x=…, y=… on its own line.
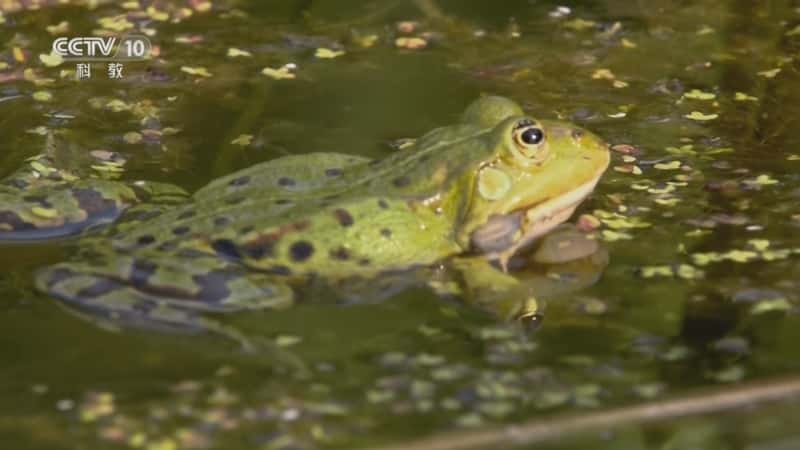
x=540, y=430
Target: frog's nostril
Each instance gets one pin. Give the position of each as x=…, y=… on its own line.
x=577, y=134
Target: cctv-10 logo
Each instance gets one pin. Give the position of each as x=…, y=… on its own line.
x=130, y=48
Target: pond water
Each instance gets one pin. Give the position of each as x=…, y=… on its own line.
x=699, y=213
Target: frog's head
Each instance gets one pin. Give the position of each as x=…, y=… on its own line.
x=537, y=174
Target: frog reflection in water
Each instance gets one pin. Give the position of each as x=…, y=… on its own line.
x=469, y=195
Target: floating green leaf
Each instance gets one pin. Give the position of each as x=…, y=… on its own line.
x=699, y=95
x=42, y=96
x=281, y=73
x=51, y=59
x=197, y=71
x=769, y=73
x=237, y=53
x=697, y=115
x=672, y=165
x=326, y=53
x=46, y=213
x=579, y=24
x=243, y=140
x=776, y=304
x=742, y=97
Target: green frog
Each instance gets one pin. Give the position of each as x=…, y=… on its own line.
x=466, y=197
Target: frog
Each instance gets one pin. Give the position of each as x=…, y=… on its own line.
x=468, y=198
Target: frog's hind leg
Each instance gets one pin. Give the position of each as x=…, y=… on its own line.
x=162, y=293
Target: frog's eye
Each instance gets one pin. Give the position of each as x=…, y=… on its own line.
x=524, y=141
x=527, y=134
x=532, y=136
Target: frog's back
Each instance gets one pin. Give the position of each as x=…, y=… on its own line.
x=324, y=213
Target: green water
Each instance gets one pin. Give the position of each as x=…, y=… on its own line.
x=725, y=186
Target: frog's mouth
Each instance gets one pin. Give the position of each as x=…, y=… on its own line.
x=544, y=216
x=503, y=235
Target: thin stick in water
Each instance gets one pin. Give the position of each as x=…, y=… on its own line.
x=540, y=430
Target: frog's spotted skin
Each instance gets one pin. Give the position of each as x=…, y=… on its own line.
x=489, y=184
x=190, y=282
x=39, y=202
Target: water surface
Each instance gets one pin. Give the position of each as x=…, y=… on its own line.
x=700, y=221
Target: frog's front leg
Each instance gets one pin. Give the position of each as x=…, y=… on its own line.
x=483, y=284
x=563, y=261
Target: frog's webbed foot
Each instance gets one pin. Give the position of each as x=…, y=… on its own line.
x=154, y=292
